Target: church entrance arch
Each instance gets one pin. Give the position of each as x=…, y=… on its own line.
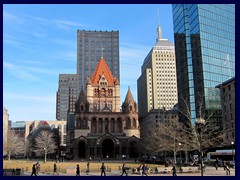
x=133, y=150
x=81, y=150
x=108, y=148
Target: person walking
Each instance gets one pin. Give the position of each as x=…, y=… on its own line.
x=124, y=169
x=227, y=169
x=144, y=170
x=37, y=168
x=55, y=169
x=34, y=170
x=103, y=168
x=216, y=164
x=78, y=170
x=88, y=168
x=174, y=172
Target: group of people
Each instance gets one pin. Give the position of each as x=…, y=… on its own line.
x=78, y=169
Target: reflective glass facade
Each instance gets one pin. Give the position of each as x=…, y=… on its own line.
x=91, y=45
x=205, y=54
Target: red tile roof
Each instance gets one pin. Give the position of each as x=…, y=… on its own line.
x=102, y=68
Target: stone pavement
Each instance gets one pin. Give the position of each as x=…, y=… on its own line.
x=210, y=171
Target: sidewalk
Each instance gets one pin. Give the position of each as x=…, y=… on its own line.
x=210, y=171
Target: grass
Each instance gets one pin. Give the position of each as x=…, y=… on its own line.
x=62, y=166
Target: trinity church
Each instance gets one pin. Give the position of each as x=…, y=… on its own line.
x=99, y=128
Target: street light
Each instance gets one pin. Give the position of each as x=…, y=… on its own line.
x=180, y=156
x=232, y=151
x=200, y=122
x=45, y=155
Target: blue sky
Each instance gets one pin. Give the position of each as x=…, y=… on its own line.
x=39, y=43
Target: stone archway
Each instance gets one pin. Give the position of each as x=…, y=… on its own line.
x=108, y=148
x=82, y=150
x=133, y=150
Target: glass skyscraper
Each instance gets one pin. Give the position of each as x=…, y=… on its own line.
x=205, y=55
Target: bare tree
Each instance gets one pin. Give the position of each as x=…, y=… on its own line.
x=14, y=144
x=45, y=143
x=167, y=137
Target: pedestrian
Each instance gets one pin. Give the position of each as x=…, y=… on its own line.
x=103, y=168
x=88, y=168
x=174, y=172
x=34, y=170
x=227, y=169
x=55, y=169
x=144, y=170
x=224, y=165
x=140, y=169
x=124, y=169
x=78, y=170
x=216, y=164
x=37, y=168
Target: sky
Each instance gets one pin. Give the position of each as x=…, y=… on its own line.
x=40, y=42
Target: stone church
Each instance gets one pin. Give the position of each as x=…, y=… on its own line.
x=99, y=128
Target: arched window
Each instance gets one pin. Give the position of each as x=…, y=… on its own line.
x=100, y=125
x=94, y=125
x=119, y=125
x=134, y=123
x=113, y=125
x=128, y=123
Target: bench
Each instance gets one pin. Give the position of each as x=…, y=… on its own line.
x=8, y=172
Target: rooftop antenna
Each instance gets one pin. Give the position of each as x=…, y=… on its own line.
x=159, y=30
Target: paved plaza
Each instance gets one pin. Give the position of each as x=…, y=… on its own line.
x=210, y=171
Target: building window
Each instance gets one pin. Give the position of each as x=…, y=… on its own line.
x=229, y=96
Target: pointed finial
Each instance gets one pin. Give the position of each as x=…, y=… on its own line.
x=102, y=52
x=128, y=87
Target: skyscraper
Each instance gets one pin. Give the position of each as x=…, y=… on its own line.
x=157, y=88
x=205, y=55
x=91, y=45
x=66, y=95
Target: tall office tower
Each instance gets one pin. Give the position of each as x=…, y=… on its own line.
x=91, y=45
x=205, y=55
x=66, y=95
x=157, y=85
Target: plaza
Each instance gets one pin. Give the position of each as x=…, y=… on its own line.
x=113, y=168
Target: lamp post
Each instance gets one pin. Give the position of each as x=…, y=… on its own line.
x=232, y=151
x=45, y=155
x=200, y=122
x=180, y=156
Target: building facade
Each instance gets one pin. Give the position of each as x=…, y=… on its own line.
x=227, y=92
x=90, y=46
x=157, y=85
x=98, y=129
x=5, y=126
x=205, y=56
x=61, y=125
x=66, y=96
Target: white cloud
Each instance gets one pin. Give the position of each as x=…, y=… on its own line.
x=18, y=71
x=8, y=17
x=47, y=99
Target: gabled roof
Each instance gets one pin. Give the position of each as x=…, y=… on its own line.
x=102, y=68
